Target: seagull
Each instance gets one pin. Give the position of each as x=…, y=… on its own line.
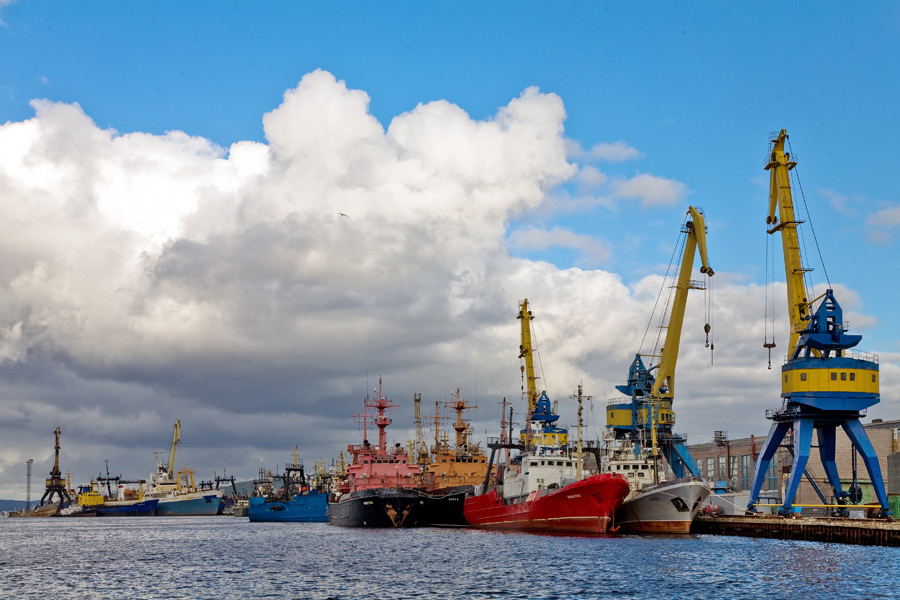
x=342, y=214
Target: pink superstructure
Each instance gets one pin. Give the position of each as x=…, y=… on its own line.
x=375, y=467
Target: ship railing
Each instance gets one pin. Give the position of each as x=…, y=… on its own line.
x=854, y=354
x=619, y=400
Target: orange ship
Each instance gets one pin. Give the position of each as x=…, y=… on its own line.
x=450, y=473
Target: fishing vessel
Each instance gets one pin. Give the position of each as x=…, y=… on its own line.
x=380, y=488
x=297, y=502
x=545, y=488
x=176, y=491
x=450, y=473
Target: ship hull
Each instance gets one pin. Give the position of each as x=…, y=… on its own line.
x=137, y=509
x=444, y=507
x=668, y=508
x=586, y=506
x=302, y=508
x=192, y=506
x=381, y=507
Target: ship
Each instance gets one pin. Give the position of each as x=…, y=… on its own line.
x=176, y=491
x=126, y=502
x=297, y=502
x=450, y=474
x=380, y=488
x=545, y=489
x=654, y=504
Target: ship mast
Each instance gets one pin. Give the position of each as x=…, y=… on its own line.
x=460, y=426
x=579, y=445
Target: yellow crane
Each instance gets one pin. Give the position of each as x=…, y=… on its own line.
x=652, y=394
x=539, y=406
x=824, y=385
x=176, y=437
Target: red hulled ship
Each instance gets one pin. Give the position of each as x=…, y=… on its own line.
x=544, y=489
x=381, y=488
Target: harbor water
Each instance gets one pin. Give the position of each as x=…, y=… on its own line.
x=227, y=557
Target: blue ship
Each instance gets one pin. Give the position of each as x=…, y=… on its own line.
x=305, y=507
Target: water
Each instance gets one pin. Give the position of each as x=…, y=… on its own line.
x=227, y=557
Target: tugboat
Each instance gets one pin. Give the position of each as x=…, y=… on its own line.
x=545, y=489
x=299, y=502
x=450, y=474
x=380, y=489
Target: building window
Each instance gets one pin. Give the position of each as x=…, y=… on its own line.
x=852, y=376
x=802, y=376
x=770, y=475
x=732, y=469
x=843, y=377
x=833, y=376
x=745, y=472
x=723, y=474
x=710, y=468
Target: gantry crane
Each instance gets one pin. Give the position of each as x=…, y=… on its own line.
x=540, y=410
x=824, y=385
x=649, y=413
x=56, y=486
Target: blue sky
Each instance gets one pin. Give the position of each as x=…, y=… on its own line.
x=696, y=92
x=689, y=94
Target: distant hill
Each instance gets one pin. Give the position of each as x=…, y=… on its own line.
x=11, y=505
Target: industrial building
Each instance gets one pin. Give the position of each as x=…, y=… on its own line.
x=731, y=464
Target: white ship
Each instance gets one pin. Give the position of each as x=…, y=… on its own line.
x=654, y=505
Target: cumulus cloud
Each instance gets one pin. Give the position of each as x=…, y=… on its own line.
x=257, y=292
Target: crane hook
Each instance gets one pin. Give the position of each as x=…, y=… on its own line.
x=706, y=329
x=769, y=345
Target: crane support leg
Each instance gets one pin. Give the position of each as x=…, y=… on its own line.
x=860, y=440
x=803, y=428
x=773, y=441
x=681, y=460
x=826, y=452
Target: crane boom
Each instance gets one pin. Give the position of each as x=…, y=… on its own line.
x=781, y=218
x=664, y=386
x=526, y=351
x=176, y=437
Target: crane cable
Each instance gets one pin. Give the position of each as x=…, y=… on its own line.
x=662, y=287
x=796, y=175
x=770, y=288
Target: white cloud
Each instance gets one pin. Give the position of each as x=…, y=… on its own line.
x=592, y=252
x=882, y=224
x=650, y=190
x=613, y=152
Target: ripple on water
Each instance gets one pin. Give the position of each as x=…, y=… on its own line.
x=224, y=557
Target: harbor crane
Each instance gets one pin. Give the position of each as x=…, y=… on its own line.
x=540, y=409
x=824, y=385
x=649, y=412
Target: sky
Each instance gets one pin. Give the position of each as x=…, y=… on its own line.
x=243, y=215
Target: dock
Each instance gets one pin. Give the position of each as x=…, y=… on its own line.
x=868, y=532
